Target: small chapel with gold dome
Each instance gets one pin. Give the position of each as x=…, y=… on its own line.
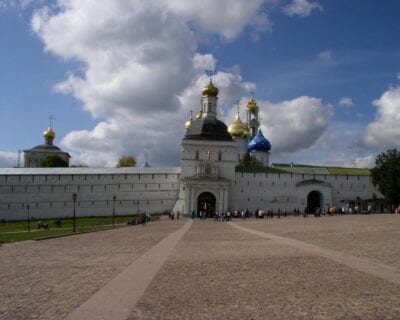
x=36, y=156
x=223, y=168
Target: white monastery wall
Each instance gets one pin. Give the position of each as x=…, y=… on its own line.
x=155, y=190
x=49, y=191
x=285, y=191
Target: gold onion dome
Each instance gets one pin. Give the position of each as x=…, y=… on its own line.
x=210, y=90
x=189, y=122
x=199, y=114
x=49, y=133
x=238, y=129
x=252, y=104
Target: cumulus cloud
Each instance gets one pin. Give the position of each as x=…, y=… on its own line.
x=337, y=146
x=346, y=102
x=296, y=124
x=140, y=71
x=157, y=136
x=384, y=131
x=8, y=159
x=225, y=17
x=302, y=8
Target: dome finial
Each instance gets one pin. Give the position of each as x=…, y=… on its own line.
x=200, y=113
x=49, y=134
x=189, y=122
x=51, y=118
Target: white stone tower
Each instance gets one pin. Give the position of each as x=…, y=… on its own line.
x=209, y=158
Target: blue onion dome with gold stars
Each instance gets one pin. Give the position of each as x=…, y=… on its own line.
x=259, y=143
x=210, y=90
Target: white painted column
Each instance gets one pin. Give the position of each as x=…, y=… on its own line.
x=187, y=196
x=226, y=199
x=192, y=200
x=221, y=200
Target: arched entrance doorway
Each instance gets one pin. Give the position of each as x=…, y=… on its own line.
x=206, y=203
x=314, y=202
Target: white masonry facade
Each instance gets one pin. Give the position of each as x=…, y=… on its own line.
x=213, y=176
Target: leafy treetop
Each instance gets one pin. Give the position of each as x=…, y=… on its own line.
x=386, y=175
x=126, y=161
x=53, y=161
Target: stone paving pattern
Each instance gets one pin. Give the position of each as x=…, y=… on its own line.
x=218, y=272
x=215, y=271
x=48, y=279
x=376, y=237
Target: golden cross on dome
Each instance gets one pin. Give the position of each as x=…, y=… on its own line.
x=210, y=73
x=238, y=105
x=51, y=118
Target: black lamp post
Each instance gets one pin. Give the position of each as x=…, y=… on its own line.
x=113, y=213
x=374, y=197
x=29, y=218
x=74, y=196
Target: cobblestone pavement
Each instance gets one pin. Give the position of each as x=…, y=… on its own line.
x=220, y=272
x=376, y=237
x=215, y=271
x=48, y=279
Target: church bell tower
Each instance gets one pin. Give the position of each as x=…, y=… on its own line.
x=253, y=121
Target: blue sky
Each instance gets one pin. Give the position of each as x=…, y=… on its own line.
x=120, y=77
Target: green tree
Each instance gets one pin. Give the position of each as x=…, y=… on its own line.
x=126, y=161
x=246, y=160
x=386, y=175
x=53, y=161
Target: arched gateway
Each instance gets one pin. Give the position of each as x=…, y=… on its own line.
x=206, y=202
x=314, y=201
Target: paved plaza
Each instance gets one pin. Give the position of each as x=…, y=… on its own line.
x=343, y=267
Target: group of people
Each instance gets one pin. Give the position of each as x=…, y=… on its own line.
x=242, y=214
x=261, y=214
x=172, y=215
x=395, y=209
